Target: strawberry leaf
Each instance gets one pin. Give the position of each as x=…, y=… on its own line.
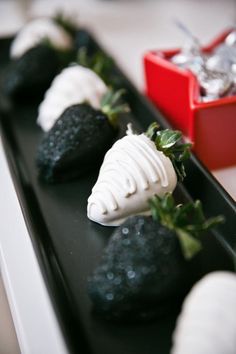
x=188, y=221
x=168, y=138
x=98, y=62
x=169, y=142
x=190, y=246
x=112, y=105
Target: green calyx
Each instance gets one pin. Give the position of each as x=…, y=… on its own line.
x=169, y=142
x=98, y=62
x=112, y=106
x=67, y=23
x=187, y=220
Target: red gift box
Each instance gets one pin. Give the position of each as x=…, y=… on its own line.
x=211, y=126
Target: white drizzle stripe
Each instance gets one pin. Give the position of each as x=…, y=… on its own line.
x=112, y=203
x=117, y=186
x=133, y=149
x=130, y=182
x=100, y=205
x=150, y=166
x=136, y=168
x=112, y=188
x=154, y=176
x=153, y=162
x=118, y=165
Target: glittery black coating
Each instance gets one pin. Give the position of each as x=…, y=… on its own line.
x=76, y=143
x=31, y=73
x=140, y=273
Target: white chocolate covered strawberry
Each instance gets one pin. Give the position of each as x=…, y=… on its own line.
x=136, y=168
x=207, y=324
x=74, y=85
x=36, y=31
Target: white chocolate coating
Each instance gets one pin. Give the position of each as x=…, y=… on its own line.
x=207, y=324
x=75, y=84
x=132, y=172
x=37, y=30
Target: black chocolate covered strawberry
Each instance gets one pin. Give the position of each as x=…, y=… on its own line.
x=78, y=140
x=31, y=73
x=144, y=268
x=37, y=53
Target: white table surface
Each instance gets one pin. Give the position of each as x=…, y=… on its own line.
x=126, y=29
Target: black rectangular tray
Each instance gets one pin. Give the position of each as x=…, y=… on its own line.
x=68, y=246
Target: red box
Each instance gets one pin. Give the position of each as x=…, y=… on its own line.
x=211, y=126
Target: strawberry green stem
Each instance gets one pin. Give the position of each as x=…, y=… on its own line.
x=169, y=142
x=187, y=221
x=112, y=106
x=101, y=64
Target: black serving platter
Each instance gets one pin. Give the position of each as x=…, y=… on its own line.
x=68, y=246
